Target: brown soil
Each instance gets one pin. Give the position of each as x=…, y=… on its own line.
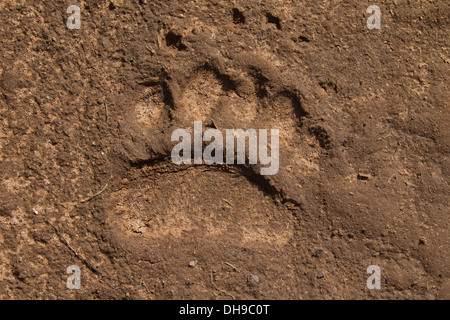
x=364, y=145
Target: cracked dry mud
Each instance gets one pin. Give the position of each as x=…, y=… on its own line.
x=363, y=173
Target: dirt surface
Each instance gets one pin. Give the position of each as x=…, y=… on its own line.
x=364, y=145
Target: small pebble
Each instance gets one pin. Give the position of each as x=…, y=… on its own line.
x=256, y=279
x=317, y=253
x=193, y=263
x=320, y=275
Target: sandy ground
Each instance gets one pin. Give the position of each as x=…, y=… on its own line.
x=364, y=150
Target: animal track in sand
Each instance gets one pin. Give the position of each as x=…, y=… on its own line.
x=223, y=205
